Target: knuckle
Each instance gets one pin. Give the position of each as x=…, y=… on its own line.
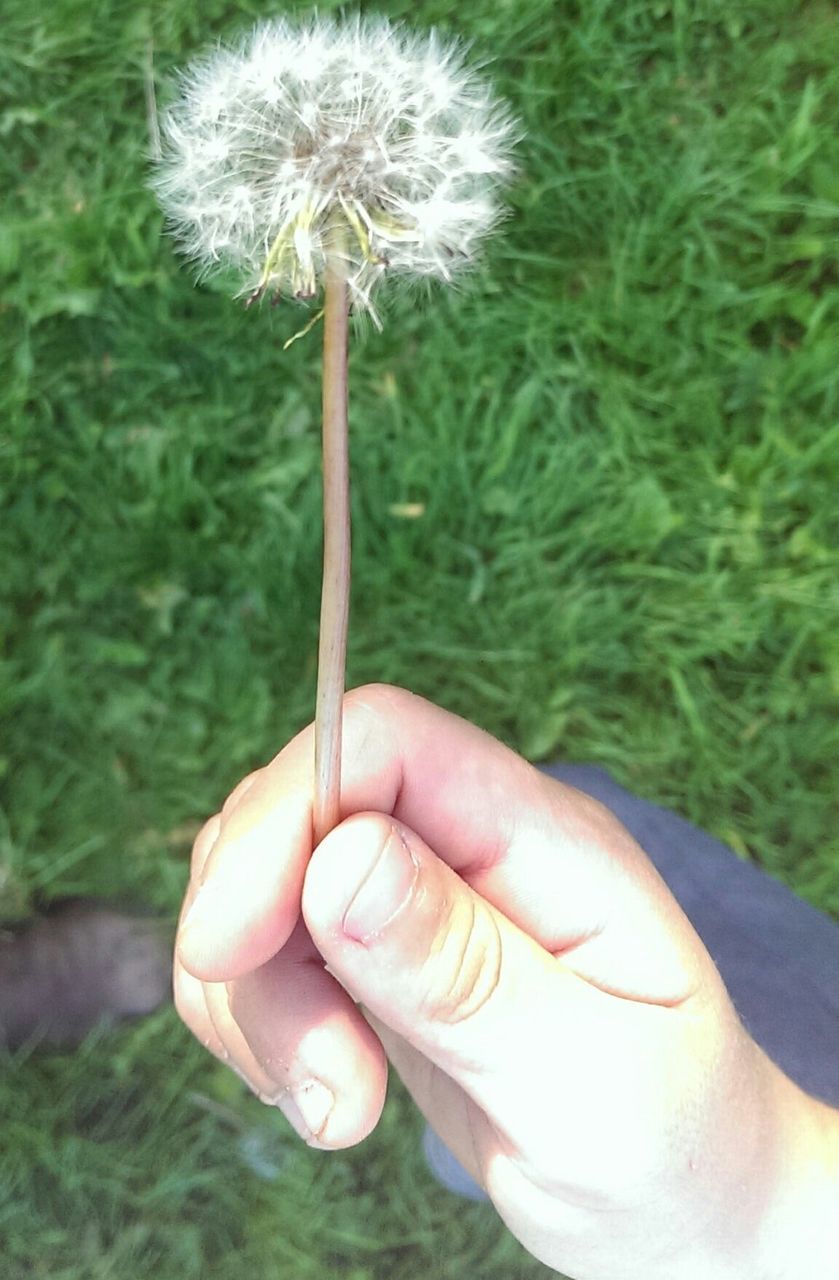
x=204, y=842
x=239, y=792
x=372, y=694
x=380, y=702
x=372, y=713
x=464, y=966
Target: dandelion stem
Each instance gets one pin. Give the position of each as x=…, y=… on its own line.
x=335, y=596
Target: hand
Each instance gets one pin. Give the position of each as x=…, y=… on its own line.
x=539, y=990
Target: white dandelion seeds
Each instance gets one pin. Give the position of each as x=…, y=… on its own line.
x=363, y=125
x=328, y=154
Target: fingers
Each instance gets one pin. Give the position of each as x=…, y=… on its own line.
x=296, y=1038
x=552, y=1066
x=239, y=791
x=248, y=881
x=192, y=1009
x=201, y=848
x=291, y=1032
x=436, y=963
x=553, y=861
x=469, y=1134
x=306, y=1034
x=495, y=891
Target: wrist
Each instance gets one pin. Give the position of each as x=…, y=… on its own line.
x=767, y=1207
x=799, y=1232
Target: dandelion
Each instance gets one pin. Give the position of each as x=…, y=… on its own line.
x=359, y=127
x=324, y=156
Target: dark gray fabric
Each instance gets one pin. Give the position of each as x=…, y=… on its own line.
x=778, y=956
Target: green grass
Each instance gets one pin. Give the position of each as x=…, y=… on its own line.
x=624, y=432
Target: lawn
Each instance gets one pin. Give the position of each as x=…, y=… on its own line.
x=617, y=446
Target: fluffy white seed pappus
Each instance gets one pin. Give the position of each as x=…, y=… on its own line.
x=356, y=138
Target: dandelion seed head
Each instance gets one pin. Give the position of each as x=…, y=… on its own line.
x=360, y=125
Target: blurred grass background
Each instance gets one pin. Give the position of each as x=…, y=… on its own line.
x=623, y=438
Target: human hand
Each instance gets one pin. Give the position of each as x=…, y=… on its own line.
x=537, y=987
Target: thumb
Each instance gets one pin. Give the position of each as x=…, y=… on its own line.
x=430, y=958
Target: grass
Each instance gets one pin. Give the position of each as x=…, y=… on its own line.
x=624, y=437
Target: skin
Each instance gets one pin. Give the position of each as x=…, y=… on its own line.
x=502, y=940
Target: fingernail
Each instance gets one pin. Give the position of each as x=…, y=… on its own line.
x=385, y=890
x=307, y=1107
x=314, y=1102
